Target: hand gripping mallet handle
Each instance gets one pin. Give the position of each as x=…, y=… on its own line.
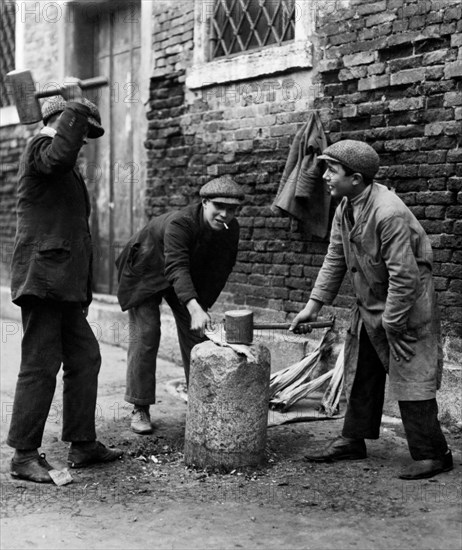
x=302, y=328
x=26, y=98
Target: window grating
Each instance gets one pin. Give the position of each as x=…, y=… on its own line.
x=242, y=25
x=7, y=49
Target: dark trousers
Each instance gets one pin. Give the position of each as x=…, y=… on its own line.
x=55, y=333
x=144, y=340
x=364, y=410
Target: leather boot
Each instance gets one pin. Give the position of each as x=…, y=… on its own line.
x=422, y=469
x=341, y=448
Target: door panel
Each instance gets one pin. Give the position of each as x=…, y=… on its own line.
x=119, y=154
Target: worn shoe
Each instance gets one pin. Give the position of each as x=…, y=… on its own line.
x=141, y=420
x=83, y=455
x=341, y=448
x=422, y=469
x=34, y=468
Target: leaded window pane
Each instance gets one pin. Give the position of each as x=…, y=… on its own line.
x=242, y=25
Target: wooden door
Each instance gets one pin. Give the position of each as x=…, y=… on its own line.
x=118, y=209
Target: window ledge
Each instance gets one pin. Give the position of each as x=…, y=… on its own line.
x=8, y=116
x=295, y=55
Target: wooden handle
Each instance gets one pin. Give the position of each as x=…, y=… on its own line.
x=88, y=84
x=301, y=328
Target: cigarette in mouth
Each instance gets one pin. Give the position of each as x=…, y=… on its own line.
x=226, y=227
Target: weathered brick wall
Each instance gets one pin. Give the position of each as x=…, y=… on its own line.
x=11, y=144
x=389, y=73
x=240, y=131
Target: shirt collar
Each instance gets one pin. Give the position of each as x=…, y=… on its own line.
x=48, y=131
x=359, y=199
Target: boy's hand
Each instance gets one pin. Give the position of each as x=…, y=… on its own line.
x=308, y=313
x=71, y=90
x=200, y=320
x=400, y=345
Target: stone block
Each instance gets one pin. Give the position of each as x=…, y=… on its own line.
x=361, y=58
x=453, y=69
x=228, y=400
x=407, y=77
x=376, y=68
x=380, y=18
x=456, y=40
x=406, y=104
x=373, y=82
x=372, y=7
x=349, y=111
x=327, y=65
x=351, y=74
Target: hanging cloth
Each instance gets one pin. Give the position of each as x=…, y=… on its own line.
x=302, y=192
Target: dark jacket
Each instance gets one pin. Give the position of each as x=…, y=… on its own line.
x=52, y=251
x=177, y=249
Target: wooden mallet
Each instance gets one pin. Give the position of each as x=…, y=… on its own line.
x=26, y=98
x=239, y=326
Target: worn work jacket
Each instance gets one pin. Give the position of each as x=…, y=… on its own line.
x=389, y=259
x=177, y=249
x=53, y=250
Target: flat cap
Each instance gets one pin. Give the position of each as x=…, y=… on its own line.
x=222, y=189
x=356, y=155
x=58, y=104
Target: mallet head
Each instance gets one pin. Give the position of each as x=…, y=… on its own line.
x=23, y=90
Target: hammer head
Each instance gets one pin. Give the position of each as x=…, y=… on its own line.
x=23, y=90
x=239, y=326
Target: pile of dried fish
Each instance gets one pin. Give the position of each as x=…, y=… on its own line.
x=296, y=382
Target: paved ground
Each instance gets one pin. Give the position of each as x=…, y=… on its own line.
x=151, y=500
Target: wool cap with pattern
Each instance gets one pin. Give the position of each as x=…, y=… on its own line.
x=223, y=189
x=356, y=155
x=58, y=104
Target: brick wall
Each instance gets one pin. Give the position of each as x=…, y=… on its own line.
x=12, y=142
x=387, y=72
x=247, y=133
x=391, y=74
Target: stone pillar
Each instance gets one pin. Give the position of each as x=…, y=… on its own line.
x=228, y=398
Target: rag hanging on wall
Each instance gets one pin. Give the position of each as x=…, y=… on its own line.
x=302, y=192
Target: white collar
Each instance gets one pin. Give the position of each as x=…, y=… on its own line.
x=48, y=131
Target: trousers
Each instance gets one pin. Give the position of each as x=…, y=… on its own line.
x=55, y=334
x=364, y=409
x=143, y=345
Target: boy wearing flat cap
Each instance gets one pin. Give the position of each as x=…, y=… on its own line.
x=395, y=322
x=51, y=282
x=184, y=257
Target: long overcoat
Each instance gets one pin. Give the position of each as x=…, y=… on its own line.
x=52, y=252
x=389, y=259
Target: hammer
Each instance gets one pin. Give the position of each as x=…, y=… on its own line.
x=27, y=99
x=239, y=326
